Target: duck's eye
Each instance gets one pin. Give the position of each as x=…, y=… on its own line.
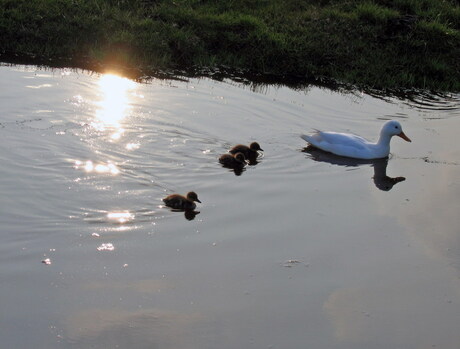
x=396, y=127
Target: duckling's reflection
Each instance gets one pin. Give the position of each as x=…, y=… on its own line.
x=190, y=214
x=381, y=180
x=237, y=170
x=252, y=159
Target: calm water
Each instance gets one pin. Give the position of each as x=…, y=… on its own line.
x=299, y=251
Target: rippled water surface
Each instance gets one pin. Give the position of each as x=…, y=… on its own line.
x=301, y=250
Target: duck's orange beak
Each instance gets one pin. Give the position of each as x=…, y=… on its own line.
x=403, y=136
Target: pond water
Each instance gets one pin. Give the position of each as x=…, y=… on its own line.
x=301, y=250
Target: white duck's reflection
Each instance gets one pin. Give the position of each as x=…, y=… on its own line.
x=381, y=180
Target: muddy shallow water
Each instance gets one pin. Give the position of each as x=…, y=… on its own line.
x=301, y=250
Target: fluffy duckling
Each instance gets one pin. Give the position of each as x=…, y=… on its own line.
x=248, y=152
x=233, y=160
x=181, y=202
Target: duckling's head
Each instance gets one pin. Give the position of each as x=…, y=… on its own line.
x=255, y=146
x=193, y=196
x=394, y=128
x=240, y=157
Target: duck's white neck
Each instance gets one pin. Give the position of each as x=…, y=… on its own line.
x=383, y=145
x=384, y=139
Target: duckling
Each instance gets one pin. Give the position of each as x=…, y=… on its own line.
x=248, y=152
x=181, y=202
x=233, y=160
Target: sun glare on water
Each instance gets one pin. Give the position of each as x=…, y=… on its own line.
x=120, y=217
x=114, y=105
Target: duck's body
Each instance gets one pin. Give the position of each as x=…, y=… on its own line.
x=248, y=152
x=349, y=145
x=180, y=202
x=233, y=160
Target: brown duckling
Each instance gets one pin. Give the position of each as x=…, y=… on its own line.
x=181, y=202
x=233, y=160
x=248, y=152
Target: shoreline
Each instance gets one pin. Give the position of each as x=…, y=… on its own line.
x=362, y=44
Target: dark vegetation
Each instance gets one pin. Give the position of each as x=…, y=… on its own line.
x=378, y=44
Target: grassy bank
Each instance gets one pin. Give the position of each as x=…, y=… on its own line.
x=379, y=44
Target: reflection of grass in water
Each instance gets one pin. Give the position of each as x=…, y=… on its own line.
x=378, y=43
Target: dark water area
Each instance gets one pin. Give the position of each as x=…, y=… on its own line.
x=300, y=249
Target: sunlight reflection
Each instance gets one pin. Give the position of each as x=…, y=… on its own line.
x=89, y=166
x=114, y=105
x=106, y=247
x=121, y=217
x=132, y=146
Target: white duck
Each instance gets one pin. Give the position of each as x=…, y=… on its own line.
x=349, y=145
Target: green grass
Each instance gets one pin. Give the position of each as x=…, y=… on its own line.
x=378, y=44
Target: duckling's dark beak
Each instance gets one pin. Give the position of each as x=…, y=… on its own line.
x=403, y=136
x=198, y=200
x=261, y=149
